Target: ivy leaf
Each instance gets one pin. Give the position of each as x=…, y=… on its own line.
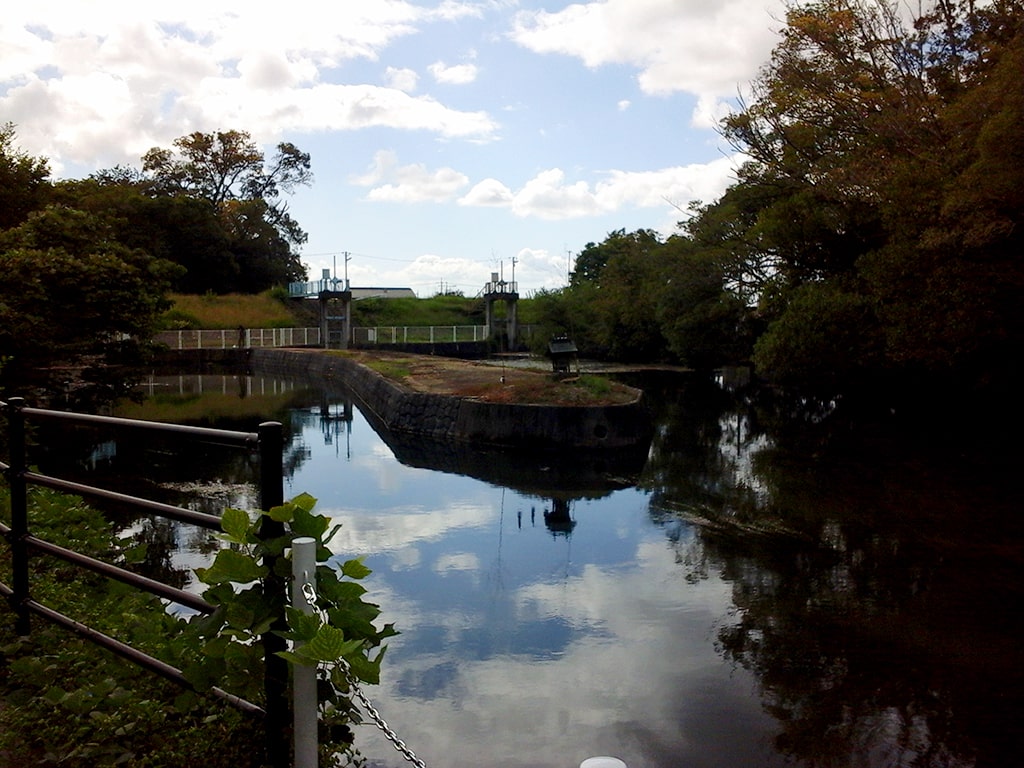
x=305, y=502
x=366, y=669
x=338, y=592
x=296, y=658
x=235, y=523
x=355, y=569
x=282, y=514
x=230, y=565
x=303, y=626
x=329, y=644
x=306, y=524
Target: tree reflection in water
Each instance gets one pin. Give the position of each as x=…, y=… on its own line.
x=877, y=587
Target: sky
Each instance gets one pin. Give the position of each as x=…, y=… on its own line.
x=449, y=139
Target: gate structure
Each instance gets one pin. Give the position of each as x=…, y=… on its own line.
x=267, y=441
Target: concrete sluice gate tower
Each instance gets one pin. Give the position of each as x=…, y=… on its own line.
x=504, y=329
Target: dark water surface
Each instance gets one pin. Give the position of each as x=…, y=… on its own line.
x=731, y=597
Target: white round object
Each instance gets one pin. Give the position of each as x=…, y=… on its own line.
x=602, y=762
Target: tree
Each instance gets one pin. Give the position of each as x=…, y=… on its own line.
x=594, y=257
x=73, y=297
x=229, y=172
x=882, y=194
x=24, y=180
x=179, y=228
x=704, y=324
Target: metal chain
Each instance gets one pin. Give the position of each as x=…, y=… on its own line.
x=310, y=594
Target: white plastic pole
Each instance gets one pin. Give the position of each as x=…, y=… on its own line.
x=304, y=702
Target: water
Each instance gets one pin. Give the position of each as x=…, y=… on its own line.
x=730, y=598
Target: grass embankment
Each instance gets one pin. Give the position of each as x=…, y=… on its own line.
x=273, y=309
x=210, y=312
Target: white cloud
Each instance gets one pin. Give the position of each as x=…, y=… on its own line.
x=488, y=193
x=409, y=183
x=402, y=79
x=99, y=84
x=709, y=112
x=687, y=45
x=549, y=196
x=458, y=74
x=624, y=104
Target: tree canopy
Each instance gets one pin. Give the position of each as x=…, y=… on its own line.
x=873, y=240
x=86, y=263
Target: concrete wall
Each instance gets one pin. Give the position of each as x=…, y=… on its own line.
x=453, y=418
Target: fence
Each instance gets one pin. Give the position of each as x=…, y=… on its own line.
x=421, y=334
x=268, y=442
x=243, y=337
x=310, y=337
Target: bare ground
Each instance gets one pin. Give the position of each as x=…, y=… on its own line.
x=491, y=381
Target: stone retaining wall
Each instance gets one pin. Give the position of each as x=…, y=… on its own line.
x=444, y=417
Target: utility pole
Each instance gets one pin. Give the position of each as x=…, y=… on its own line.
x=347, y=260
x=514, y=260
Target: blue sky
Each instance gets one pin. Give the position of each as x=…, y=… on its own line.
x=449, y=138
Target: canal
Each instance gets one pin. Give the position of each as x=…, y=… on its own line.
x=737, y=595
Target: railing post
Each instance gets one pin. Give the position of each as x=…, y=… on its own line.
x=19, y=516
x=271, y=441
x=304, y=697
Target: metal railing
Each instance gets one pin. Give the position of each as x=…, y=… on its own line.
x=418, y=334
x=267, y=441
x=240, y=339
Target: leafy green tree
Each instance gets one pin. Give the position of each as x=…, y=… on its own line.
x=73, y=296
x=592, y=260
x=24, y=180
x=704, y=324
x=230, y=173
x=882, y=195
x=179, y=228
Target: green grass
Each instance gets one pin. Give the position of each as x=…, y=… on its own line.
x=268, y=310
x=65, y=701
x=230, y=311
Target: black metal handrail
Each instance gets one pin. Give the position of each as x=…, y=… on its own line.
x=267, y=440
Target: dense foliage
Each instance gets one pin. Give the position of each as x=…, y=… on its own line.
x=212, y=205
x=86, y=264
x=873, y=240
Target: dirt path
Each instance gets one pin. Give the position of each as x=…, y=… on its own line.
x=491, y=382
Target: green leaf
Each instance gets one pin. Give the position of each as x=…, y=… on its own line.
x=281, y=514
x=355, y=569
x=303, y=626
x=230, y=565
x=329, y=644
x=136, y=554
x=305, y=502
x=295, y=658
x=307, y=524
x=367, y=670
x=335, y=591
x=236, y=523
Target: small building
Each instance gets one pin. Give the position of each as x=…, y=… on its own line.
x=563, y=353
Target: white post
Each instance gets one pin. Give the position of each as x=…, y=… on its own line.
x=304, y=701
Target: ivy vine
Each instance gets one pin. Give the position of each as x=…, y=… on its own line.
x=340, y=639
